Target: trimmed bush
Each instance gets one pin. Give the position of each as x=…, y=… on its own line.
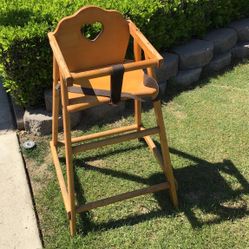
x=25, y=54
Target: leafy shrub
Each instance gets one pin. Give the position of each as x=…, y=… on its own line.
x=25, y=54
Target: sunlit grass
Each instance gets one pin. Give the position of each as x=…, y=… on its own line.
x=208, y=131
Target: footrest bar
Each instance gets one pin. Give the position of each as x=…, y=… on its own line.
x=116, y=139
x=124, y=196
x=102, y=134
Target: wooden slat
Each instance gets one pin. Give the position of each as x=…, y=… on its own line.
x=137, y=51
x=144, y=43
x=85, y=102
x=150, y=70
x=124, y=196
x=154, y=149
x=68, y=155
x=60, y=60
x=55, y=105
x=109, y=70
x=156, y=152
x=137, y=105
x=59, y=176
x=102, y=134
x=113, y=140
x=168, y=170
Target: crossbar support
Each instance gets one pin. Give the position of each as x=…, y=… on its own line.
x=153, y=148
x=124, y=196
x=116, y=139
x=102, y=134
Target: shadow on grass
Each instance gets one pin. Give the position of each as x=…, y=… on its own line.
x=202, y=186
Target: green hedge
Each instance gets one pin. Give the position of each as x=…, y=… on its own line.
x=25, y=55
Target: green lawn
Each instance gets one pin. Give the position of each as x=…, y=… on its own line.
x=208, y=131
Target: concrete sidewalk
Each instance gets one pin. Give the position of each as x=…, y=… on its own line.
x=18, y=225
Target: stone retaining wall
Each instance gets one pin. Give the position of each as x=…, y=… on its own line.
x=216, y=50
x=183, y=65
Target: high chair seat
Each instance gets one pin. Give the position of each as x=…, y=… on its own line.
x=136, y=85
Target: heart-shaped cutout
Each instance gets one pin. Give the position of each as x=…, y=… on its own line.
x=92, y=31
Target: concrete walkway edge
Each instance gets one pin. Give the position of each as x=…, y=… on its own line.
x=18, y=224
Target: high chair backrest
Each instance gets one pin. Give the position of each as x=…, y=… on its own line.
x=81, y=53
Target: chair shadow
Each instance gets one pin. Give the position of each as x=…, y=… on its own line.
x=201, y=185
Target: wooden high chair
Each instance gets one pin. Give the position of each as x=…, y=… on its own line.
x=87, y=73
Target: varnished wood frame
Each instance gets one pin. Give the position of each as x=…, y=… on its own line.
x=65, y=78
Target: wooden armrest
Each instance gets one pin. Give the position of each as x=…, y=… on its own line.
x=108, y=70
x=60, y=60
x=144, y=43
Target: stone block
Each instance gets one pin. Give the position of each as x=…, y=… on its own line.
x=18, y=114
x=187, y=77
x=217, y=63
x=162, y=87
x=242, y=29
x=241, y=50
x=103, y=111
x=194, y=54
x=224, y=39
x=48, y=99
x=169, y=67
x=6, y=120
x=39, y=121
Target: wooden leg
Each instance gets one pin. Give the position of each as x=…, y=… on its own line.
x=138, y=120
x=55, y=106
x=137, y=103
x=167, y=167
x=55, y=115
x=69, y=160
